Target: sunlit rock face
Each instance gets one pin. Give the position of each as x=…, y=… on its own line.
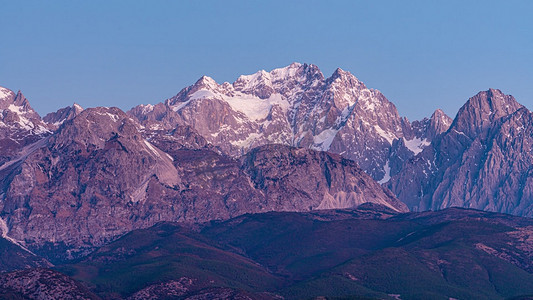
x=297, y=106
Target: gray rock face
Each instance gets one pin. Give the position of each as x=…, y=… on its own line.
x=281, y=172
x=101, y=174
x=483, y=161
x=295, y=106
x=85, y=179
x=429, y=128
x=55, y=119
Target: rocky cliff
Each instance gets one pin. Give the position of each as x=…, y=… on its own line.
x=483, y=161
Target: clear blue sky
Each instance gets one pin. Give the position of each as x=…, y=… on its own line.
x=422, y=55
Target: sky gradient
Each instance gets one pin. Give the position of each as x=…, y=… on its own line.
x=422, y=55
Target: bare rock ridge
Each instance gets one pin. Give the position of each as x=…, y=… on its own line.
x=339, y=183
x=483, y=161
x=55, y=119
x=101, y=174
x=429, y=128
x=296, y=106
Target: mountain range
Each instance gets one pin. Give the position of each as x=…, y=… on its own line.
x=97, y=174
x=481, y=159
x=289, y=141
x=297, y=106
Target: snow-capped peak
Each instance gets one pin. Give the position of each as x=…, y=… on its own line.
x=341, y=75
x=6, y=93
x=264, y=77
x=286, y=72
x=293, y=105
x=249, y=82
x=207, y=82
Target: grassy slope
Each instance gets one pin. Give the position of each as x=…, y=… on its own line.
x=418, y=256
x=164, y=253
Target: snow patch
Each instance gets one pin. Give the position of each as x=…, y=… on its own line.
x=323, y=140
x=253, y=107
x=386, y=177
x=267, y=78
x=386, y=135
x=112, y=116
x=256, y=108
x=5, y=93
x=180, y=106
x=146, y=108
x=416, y=145
x=41, y=130
x=152, y=148
x=202, y=94
x=460, y=132
x=24, y=122
x=245, y=143
x=251, y=81
x=288, y=71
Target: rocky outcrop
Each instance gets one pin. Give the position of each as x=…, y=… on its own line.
x=55, y=119
x=42, y=284
x=165, y=290
x=483, y=161
x=318, y=180
x=429, y=128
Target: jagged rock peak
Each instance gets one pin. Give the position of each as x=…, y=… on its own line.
x=57, y=118
x=95, y=126
x=8, y=98
x=20, y=100
x=439, y=122
x=482, y=109
x=339, y=73
x=294, y=70
x=102, y=117
x=16, y=114
x=439, y=114
x=344, y=78
x=207, y=82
